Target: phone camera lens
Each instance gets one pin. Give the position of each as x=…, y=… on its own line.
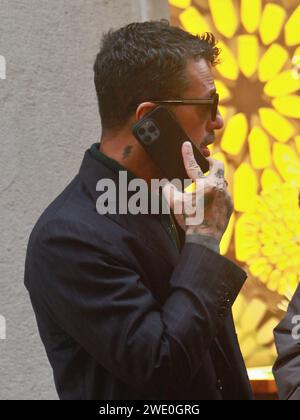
x=142, y=131
x=147, y=139
x=152, y=129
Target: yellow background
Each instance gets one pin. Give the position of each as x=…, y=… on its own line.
x=259, y=84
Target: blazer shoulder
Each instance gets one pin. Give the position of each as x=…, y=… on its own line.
x=61, y=231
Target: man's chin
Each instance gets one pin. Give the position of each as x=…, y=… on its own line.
x=205, y=151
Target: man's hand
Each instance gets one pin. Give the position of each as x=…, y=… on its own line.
x=218, y=205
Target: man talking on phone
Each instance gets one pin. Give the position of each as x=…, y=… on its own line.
x=134, y=307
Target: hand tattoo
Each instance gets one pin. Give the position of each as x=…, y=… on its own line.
x=206, y=223
x=220, y=174
x=201, y=175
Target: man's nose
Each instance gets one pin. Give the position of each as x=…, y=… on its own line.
x=218, y=124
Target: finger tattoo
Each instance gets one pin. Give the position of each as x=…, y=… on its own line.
x=220, y=173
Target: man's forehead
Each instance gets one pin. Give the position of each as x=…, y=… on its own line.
x=201, y=78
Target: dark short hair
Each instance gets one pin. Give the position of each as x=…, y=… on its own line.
x=143, y=61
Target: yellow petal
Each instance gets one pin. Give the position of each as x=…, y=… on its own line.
x=228, y=67
x=225, y=16
x=253, y=315
x=265, y=333
x=248, y=348
x=297, y=52
x=239, y=307
x=226, y=240
x=251, y=14
x=272, y=62
x=223, y=91
x=291, y=286
x=235, y=134
x=260, y=148
x=270, y=178
x=276, y=125
x=283, y=84
x=272, y=22
x=248, y=53
x=261, y=268
x=245, y=188
x=275, y=279
x=182, y=4
x=288, y=105
x=292, y=29
x=245, y=249
x=194, y=22
x=287, y=163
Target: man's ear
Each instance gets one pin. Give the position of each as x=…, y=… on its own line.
x=143, y=109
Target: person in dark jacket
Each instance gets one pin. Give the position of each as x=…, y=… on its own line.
x=287, y=338
x=138, y=306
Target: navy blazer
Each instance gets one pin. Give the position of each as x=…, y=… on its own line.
x=124, y=315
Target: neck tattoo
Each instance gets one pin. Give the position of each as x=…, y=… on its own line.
x=127, y=151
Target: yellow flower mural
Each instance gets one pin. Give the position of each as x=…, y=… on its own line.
x=259, y=85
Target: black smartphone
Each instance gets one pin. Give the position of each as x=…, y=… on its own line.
x=162, y=138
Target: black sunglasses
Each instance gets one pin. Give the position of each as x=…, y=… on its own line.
x=213, y=101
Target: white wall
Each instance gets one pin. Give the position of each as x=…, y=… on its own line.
x=48, y=118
